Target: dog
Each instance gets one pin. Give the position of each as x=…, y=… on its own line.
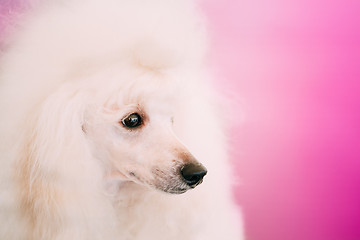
x=109, y=125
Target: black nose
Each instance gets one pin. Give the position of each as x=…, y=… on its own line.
x=193, y=173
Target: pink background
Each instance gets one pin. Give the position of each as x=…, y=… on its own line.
x=293, y=67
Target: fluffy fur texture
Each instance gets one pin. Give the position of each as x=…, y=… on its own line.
x=73, y=70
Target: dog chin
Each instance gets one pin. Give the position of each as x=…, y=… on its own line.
x=178, y=187
x=179, y=190
x=175, y=191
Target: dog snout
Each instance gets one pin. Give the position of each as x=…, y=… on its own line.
x=193, y=173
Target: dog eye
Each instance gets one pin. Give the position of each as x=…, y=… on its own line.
x=132, y=121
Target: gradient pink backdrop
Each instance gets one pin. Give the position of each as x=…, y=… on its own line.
x=294, y=69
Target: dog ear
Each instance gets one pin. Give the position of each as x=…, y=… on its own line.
x=54, y=161
x=37, y=194
x=53, y=140
x=57, y=135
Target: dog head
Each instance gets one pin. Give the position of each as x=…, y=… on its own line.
x=132, y=134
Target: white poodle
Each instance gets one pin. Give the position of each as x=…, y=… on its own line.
x=108, y=123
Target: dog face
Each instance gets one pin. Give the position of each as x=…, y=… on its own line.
x=134, y=139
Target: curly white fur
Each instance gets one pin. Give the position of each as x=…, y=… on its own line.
x=69, y=169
